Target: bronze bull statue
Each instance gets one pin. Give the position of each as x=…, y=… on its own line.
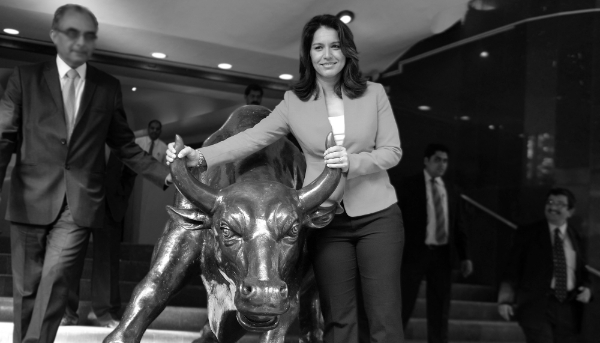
x=245, y=224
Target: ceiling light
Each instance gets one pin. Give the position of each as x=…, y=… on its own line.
x=286, y=76
x=491, y=127
x=484, y=54
x=465, y=118
x=346, y=16
x=134, y=89
x=159, y=55
x=224, y=66
x=11, y=31
x=424, y=108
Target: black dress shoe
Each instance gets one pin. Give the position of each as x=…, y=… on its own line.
x=68, y=320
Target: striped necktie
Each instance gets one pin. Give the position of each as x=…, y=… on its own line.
x=560, y=267
x=70, y=100
x=441, y=236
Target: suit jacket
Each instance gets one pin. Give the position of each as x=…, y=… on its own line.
x=529, y=271
x=413, y=202
x=372, y=142
x=32, y=125
x=118, y=185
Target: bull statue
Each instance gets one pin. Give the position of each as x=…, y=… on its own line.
x=245, y=223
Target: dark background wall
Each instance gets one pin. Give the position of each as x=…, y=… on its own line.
x=519, y=109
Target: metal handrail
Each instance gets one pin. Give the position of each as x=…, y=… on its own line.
x=513, y=225
x=489, y=212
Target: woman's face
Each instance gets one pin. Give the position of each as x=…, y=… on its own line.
x=326, y=54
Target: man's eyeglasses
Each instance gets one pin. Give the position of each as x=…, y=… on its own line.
x=556, y=204
x=75, y=34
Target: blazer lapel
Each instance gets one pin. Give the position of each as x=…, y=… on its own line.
x=545, y=241
x=88, y=93
x=53, y=82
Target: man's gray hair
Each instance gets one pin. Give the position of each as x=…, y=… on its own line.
x=60, y=12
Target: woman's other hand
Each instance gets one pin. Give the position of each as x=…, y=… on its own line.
x=192, y=155
x=337, y=157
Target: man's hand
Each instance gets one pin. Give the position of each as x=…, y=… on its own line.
x=506, y=311
x=466, y=268
x=169, y=180
x=584, y=295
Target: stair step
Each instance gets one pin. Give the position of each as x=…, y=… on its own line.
x=462, y=310
x=469, y=331
x=189, y=296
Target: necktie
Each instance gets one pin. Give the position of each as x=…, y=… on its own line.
x=69, y=100
x=151, y=147
x=560, y=267
x=440, y=218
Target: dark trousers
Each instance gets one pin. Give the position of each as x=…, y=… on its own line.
x=435, y=266
x=559, y=323
x=365, y=251
x=46, y=260
x=106, y=299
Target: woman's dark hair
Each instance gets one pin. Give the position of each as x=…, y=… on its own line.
x=350, y=82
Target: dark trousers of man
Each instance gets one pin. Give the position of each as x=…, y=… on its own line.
x=106, y=299
x=368, y=248
x=436, y=267
x=559, y=324
x=46, y=260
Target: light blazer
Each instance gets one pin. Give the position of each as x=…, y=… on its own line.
x=372, y=142
x=32, y=125
x=413, y=202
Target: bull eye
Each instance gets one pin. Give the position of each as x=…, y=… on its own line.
x=293, y=232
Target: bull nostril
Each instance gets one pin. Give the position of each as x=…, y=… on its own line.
x=283, y=290
x=246, y=290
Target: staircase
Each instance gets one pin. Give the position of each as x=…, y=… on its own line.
x=473, y=314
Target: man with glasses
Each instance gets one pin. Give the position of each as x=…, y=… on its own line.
x=546, y=283
x=57, y=116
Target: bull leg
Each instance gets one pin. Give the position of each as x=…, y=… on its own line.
x=178, y=250
x=310, y=317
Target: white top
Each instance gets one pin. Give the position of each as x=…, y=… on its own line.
x=570, y=255
x=63, y=69
x=159, y=152
x=431, y=221
x=338, y=127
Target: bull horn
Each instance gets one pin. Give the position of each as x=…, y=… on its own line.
x=323, y=186
x=199, y=194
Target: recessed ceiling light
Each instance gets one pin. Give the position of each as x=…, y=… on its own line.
x=134, y=89
x=286, y=76
x=11, y=31
x=484, y=54
x=424, y=108
x=492, y=127
x=346, y=16
x=465, y=118
x=159, y=55
x=224, y=66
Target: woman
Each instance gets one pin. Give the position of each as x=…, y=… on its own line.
x=365, y=239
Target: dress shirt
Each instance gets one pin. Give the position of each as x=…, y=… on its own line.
x=159, y=151
x=63, y=69
x=570, y=255
x=431, y=221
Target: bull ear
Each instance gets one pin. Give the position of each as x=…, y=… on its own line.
x=313, y=194
x=321, y=217
x=189, y=219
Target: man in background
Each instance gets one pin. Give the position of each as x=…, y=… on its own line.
x=253, y=94
x=57, y=117
x=151, y=143
x=434, y=234
x=546, y=283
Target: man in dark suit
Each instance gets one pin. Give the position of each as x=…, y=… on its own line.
x=106, y=298
x=57, y=116
x=433, y=233
x=546, y=282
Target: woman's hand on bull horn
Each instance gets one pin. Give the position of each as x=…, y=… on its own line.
x=337, y=157
x=192, y=155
